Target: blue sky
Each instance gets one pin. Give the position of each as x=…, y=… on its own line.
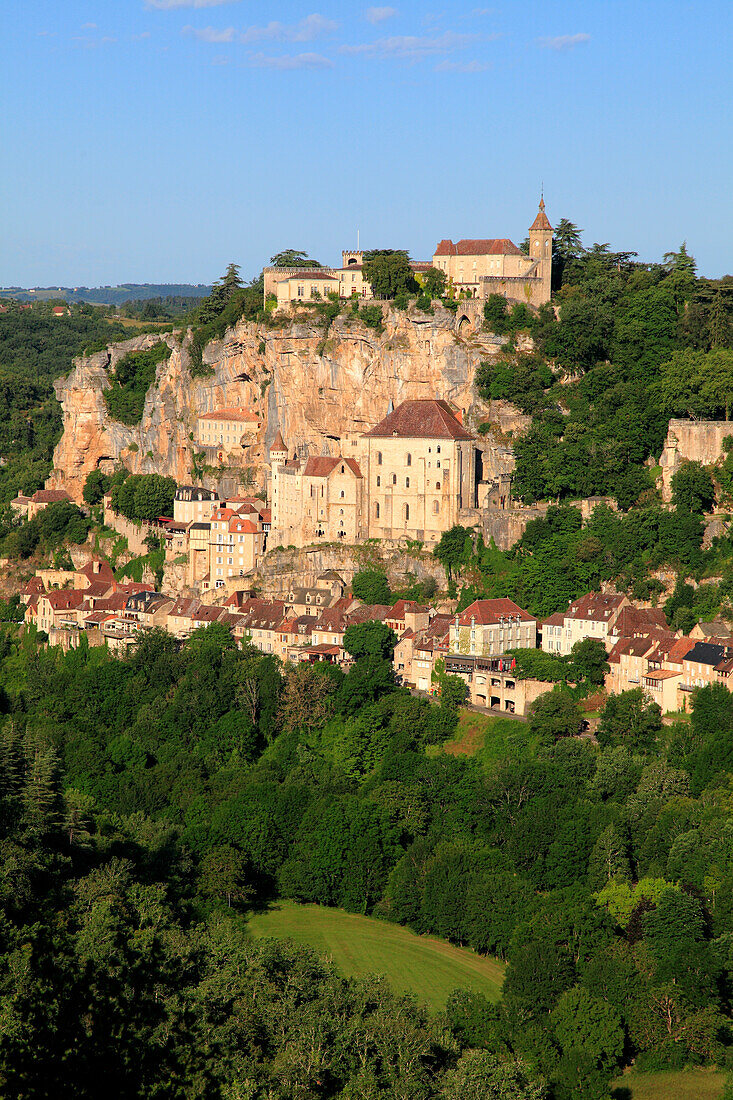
x=157, y=140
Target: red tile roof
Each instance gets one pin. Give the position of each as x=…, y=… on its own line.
x=488, y=246
x=97, y=570
x=426, y=418
x=637, y=620
x=324, y=465
x=231, y=414
x=278, y=443
x=243, y=526
x=489, y=612
x=49, y=496
x=596, y=606
x=541, y=221
x=63, y=601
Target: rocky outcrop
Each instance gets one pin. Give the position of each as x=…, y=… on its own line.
x=314, y=387
x=283, y=569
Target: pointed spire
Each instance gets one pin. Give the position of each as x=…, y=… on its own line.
x=278, y=443
x=541, y=221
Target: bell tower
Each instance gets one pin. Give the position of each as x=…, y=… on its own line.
x=540, y=249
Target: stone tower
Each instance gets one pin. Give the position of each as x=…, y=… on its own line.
x=278, y=459
x=540, y=247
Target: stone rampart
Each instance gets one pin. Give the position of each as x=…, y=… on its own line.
x=694, y=441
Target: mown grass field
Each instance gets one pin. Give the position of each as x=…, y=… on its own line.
x=429, y=968
x=688, y=1084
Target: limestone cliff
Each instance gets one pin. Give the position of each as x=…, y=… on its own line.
x=315, y=388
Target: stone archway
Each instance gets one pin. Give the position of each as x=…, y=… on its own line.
x=464, y=325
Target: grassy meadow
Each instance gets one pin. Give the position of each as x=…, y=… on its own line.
x=427, y=967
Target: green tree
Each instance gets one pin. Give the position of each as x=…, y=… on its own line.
x=293, y=257
x=370, y=639
x=222, y=875
x=554, y=715
x=371, y=586
x=693, y=488
x=434, y=282
x=588, y=662
x=628, y=719
x=451, y=547
x=388, y=272
x=680, y=261
x=583, y=1022
x=567, y=239
x=95, y=486
x=479, y=1075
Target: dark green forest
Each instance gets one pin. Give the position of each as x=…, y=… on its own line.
x=148, y=803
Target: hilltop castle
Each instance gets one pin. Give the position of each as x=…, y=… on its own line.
x=474, y=268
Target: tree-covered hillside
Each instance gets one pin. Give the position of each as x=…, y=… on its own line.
x=148, y=803
x=623, y=347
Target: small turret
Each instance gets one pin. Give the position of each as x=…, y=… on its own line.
x=278, y=450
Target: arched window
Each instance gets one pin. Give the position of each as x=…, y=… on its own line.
x=342, y=471
x=437, y=449
x=407, y=512
x=341, y=512
x=436, y=507
x=409, y=459
x=342, y=494
x=379, y=481
x=394, y=479
x=376, y=510
x=407, y=483
x=379, y=458
x=437, y=484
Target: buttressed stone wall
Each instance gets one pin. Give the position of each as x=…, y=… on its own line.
x=692, y=440
x=314, y=389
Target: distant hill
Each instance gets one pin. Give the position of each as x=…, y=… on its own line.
x=107, y=295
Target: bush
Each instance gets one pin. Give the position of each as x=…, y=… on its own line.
x=144, y=497
x=131, y=379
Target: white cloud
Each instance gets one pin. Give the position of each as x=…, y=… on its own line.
x=304, y=31
x=211, y=34
x=86, y=43
x=171, y=5
x=141, y=36
x=89, y=26
x=378, y=15
x=461, y=67
x=289, y=62
x=412, y=47
x=564, y=41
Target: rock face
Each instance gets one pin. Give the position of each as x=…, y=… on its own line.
x=314, y=387
x=694, y=440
